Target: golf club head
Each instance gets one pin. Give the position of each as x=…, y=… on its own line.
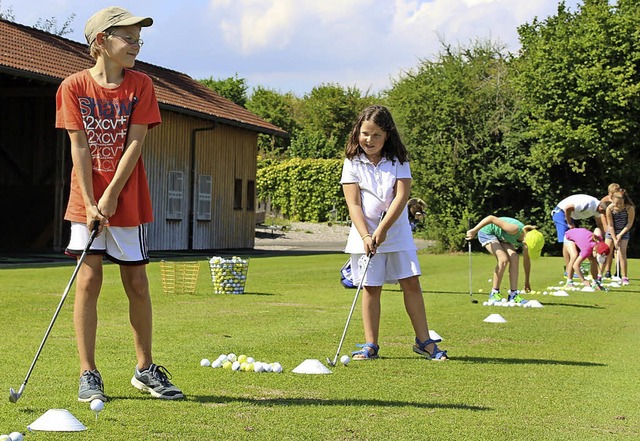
x=330, y=363
x=13, y=395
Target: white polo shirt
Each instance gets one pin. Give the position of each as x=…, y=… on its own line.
x=376, y=183
x=585, y=206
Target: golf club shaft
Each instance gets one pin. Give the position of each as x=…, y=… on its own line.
x=94, y=233
x=353, y=305
x=470, y=270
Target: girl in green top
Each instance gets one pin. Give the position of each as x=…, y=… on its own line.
x=501, y=236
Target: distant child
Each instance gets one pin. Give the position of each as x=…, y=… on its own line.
x=581, y=244
x=621, y=215
x=107, y=111
x=575, y=208
x=608, y=199
x=416, y=208
x=500, y=236
x=376, y=181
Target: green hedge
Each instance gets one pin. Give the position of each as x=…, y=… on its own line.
x=304, y=190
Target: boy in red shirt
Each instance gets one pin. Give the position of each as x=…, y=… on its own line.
x=107, y=111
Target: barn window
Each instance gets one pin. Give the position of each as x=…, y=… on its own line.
x=251, y=195
x=204, y=197
x=175, y=195
x=237, y=194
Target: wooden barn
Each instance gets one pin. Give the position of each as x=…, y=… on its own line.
x=200, y=162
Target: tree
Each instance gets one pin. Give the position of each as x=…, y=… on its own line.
x=326, y=116
x=277, y=109
x=232, y=88
x=579, y=79
x=50, y=25
x=7, y=14
x=454, y=115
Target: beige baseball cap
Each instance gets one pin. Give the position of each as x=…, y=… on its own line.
x=109, y=17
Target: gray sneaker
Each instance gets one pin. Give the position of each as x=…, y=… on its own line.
x=155, y=380
x=91, y=387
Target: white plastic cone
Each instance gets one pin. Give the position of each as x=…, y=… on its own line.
x=57, y=420
x=614, y=285
x=311, y=366
x=433, y=335
x=588, y=289
x=560, y=293
x=495, y=318
x=534, y=304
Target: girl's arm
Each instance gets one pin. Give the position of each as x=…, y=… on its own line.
x=354, y=203
x=83, y=168
x=402, y=191
x=108, y=203
x=609, y=216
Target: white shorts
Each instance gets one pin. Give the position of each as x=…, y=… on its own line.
x=122, y=245
x=385, y=267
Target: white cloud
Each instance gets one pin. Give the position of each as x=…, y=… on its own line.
x=298, y=44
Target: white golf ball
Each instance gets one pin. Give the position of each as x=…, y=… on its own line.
x=97, y=405
x=216, y=364
x=223, y=358
x=258, y=367
x=5, y=438
x=232, y=357
x=267, y=367
x=15, y=436
x=235, y=366
x=251, y=360
x=276, y=367
x=485, y=303
x=490, y=280
x=205, y=362
x=345, y=359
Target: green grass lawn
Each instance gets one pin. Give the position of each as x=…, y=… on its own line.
x=568, y=371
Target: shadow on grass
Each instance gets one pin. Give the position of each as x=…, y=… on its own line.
x=489, y=360
x=333, y=402
x=573, y=305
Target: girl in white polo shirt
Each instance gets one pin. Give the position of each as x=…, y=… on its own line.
x=376, y=181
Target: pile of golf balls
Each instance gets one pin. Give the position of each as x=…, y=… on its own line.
x=229, y=275
x=241, y=363
x=13, y=436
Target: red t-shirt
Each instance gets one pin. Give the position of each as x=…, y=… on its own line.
x=105, y=115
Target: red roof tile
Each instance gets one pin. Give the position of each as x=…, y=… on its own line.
x=26, y=51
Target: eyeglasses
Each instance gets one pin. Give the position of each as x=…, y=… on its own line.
x=129, y=40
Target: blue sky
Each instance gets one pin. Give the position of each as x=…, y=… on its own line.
x=295, y=45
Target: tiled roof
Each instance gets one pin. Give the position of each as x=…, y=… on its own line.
x=26, y=51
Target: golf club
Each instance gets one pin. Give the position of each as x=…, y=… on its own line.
x=470, y=275
x=15, y=396
x=617, y=251
x=353, y=305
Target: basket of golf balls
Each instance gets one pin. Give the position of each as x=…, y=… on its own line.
x=229, y=275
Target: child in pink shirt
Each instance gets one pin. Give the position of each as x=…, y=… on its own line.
x=581, y=244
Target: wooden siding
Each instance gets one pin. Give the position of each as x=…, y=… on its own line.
x=226, y=153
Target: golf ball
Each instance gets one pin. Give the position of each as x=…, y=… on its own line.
x=242, y=358
x=232, y=357
x=345, y=359
x=235, y=366
x=5, y=438
x=205, y=362
x=276, y=367
x=216, y=364
x=97, y=405
x=15, y=436
x=258, y=367
x=226, y=365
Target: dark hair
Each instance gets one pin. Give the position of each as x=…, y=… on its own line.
x=625, y=197
x=380, y=116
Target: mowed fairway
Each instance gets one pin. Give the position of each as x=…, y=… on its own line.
x=568, y=371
